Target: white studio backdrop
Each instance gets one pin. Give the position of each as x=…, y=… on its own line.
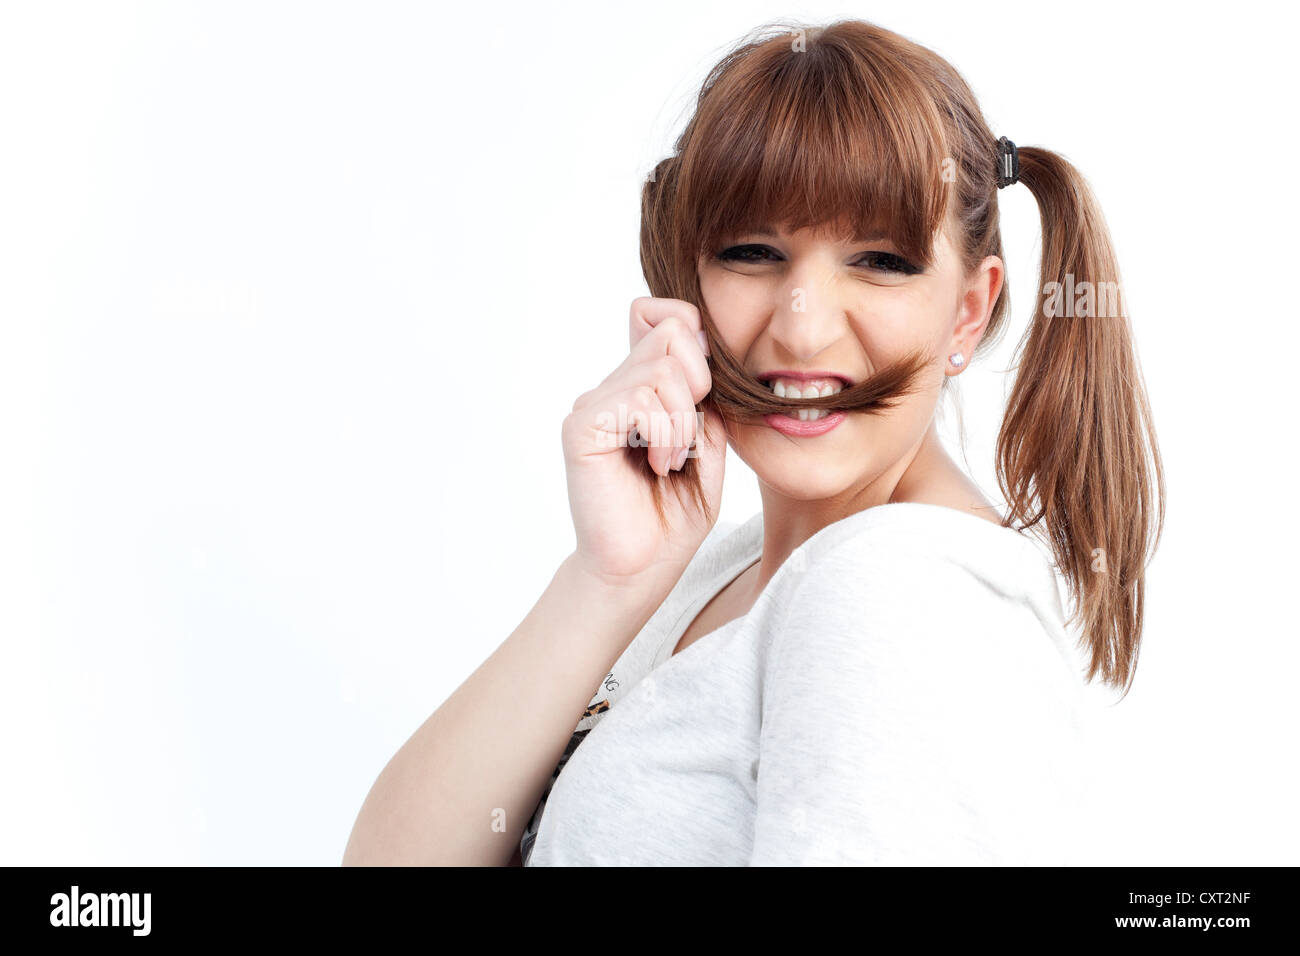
x=293, y=300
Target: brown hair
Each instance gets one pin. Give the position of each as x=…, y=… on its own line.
x=855, y=127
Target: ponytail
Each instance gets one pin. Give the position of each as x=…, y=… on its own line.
x=1077, y=450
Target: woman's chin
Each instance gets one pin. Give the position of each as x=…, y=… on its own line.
x=800, y=476
x=799, y=491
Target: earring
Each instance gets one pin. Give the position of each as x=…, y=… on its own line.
x=957, y=359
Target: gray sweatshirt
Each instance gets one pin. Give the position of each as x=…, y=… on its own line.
x=903, y=692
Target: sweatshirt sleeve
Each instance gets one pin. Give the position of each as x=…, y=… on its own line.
x=909, y=717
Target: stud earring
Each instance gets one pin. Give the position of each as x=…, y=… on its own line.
x=957, y=359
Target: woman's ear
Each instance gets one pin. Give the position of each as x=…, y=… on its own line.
x=975, y=309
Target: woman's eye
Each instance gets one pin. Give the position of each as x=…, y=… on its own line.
x=878, y=261
x=747, y=253
x=888, y=262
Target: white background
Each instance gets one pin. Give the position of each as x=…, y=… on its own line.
x=293, y=300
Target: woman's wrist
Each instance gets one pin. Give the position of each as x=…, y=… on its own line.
x=627, y=601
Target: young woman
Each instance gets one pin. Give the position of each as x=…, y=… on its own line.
x=875, y=669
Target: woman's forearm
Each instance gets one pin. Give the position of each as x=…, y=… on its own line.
x=461, y=790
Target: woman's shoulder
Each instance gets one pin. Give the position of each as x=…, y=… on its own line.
x=930, y=647
x=911, y=546
x=925, y=532
x=917, y=582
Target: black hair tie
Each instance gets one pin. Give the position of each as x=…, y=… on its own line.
x=1008, y=163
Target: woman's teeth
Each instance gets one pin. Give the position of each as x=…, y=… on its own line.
x=788, y=388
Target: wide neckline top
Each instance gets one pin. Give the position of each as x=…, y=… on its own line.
x=1009, y=559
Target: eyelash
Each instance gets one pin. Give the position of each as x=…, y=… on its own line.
x=891, y=262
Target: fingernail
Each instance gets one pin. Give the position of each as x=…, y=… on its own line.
x=704, y=341
x=680, y=460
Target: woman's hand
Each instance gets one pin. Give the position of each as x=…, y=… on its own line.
x=652, y=394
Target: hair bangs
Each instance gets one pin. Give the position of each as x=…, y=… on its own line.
x=795, y=140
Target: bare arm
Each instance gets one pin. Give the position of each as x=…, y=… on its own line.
x=485, y=756
x=493, y=744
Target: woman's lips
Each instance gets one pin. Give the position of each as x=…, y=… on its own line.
x=797, y=429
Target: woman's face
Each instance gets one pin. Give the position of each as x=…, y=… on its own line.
x=809, y=303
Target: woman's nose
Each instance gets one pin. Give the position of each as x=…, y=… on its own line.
x=808, y=317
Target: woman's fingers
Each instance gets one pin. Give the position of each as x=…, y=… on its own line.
x=650, y=398
x=676, y=337
x=666, y=375
x=634, y=416
x=684, y=328
x=649, y=311
x=672, y=337
x=675, y=395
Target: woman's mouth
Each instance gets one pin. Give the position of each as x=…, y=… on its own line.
x=804, y=422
